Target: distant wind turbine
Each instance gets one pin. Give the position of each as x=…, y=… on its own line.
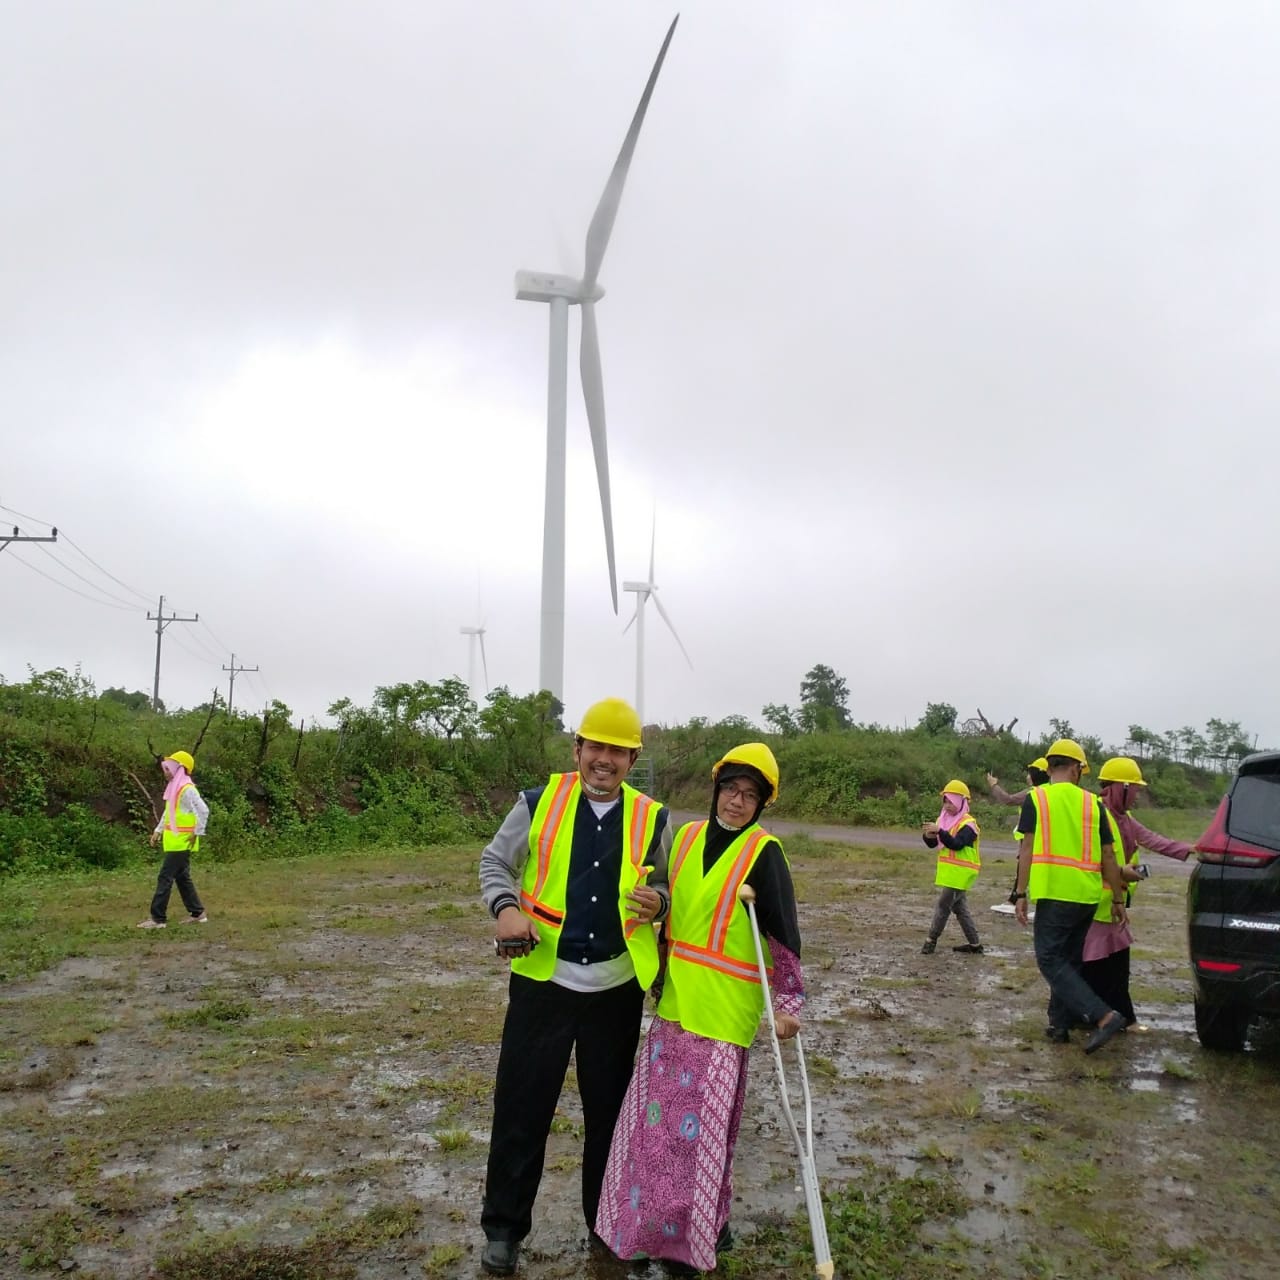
x=474, y=634
x=560, y=292
x=646, y=591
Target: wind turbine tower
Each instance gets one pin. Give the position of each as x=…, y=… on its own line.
x=560, y=293
x=644, y=592
x=475, y=634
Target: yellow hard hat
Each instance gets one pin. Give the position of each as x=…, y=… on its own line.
x=613, y=721
x=184, y=759
x=957, y=788
x=755, y=755
x=1121, y=769
x=1039, y=763
x=1069, y=750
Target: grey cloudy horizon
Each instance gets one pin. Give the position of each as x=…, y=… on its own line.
x=939, y=341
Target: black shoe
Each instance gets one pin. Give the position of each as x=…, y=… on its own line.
x=499, y=1257
x=1057, y=1035
x=929, y=947
x=969, y=948
x=1110, y=1026
x=724, y=1241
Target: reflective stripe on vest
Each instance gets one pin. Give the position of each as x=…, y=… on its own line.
x=958, y=868
x=713, y=979
x=1066, y=847
x=179, y=826
x=546, y=875
x=1125, y=856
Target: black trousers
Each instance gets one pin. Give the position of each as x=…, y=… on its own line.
x=1060, y=931
x=544, y=1023
x=1109, y=978
x=175, y=869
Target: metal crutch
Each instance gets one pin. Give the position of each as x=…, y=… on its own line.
x=824, y=1267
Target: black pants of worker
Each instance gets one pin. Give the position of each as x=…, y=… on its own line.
x=544, y=1023
x=175, y=869
x=1109, y=978
x=1060, y=931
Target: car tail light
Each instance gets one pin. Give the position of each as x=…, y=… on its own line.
x=1216, y=845
x=1217, y=966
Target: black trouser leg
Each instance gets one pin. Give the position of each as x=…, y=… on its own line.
x=608, y=1032
x=174, y=864
x=537, y=1038
x=1109, y=978
x=187, y=887
x=1060, y=931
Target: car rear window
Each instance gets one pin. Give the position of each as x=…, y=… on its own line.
x=1255, y=810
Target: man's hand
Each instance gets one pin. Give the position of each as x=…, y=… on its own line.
x=155, y=835
x=786, y=1025
x=1118, y=914
x=1020, y=911
x=515, y=933
x=644, y=903
x=992, y=780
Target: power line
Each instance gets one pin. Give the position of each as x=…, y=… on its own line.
x=26, y=564
x=76, y=573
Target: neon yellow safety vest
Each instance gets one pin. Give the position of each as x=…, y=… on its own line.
x=713, y=977
x=178, y=826
x=1125, y=857
x=1066, y=850
x=546, y=875
x=958, y=868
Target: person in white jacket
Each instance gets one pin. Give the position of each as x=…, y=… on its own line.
x=180, y=827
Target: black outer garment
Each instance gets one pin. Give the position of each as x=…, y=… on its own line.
x=769, y=877
x=968, y=835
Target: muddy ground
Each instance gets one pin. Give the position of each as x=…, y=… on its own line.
x=305, y=1082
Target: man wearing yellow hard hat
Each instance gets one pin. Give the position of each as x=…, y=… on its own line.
x=574, y=879
x=1066, y=863
x=955, y=835
x=180, y=827
x=1107, y=947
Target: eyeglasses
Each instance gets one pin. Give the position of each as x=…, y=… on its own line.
x=748, y=795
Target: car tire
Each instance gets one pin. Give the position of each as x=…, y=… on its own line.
x=1222, y=1026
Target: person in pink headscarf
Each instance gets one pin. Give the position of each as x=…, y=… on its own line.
x=1107, y=946
x=955, y=835
x=179, y=830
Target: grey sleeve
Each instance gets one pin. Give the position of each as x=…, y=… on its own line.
x=503, y=859
x=193, y=802
x=659, y=858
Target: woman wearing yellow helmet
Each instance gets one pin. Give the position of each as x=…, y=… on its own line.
x=954, y=833
x=668, y=1185
x=179, y=830
x=1107, y=946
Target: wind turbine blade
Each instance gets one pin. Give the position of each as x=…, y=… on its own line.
x=593, y=395
x=484, y=662
x=607, y=210
x=662, y=613
x=653, y=538
x=634, y=616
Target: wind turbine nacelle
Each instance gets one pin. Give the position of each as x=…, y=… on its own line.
x=646, y=587
x=538, y=286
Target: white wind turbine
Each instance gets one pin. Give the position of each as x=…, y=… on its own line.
x=646, y=591
x=560, y=292
x=474, y=634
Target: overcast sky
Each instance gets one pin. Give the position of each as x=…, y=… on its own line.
x=941, y=337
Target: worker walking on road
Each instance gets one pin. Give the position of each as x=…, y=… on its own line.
x=1065, y=864
x=955, y=834
x=1107, y=947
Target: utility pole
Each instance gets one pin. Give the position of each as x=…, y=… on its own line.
x=15, y=536
x=161, y=622
x=231, y=690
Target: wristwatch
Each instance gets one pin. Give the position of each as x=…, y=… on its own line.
x=1016, y=896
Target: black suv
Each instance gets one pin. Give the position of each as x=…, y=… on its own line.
x=1233, y=907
